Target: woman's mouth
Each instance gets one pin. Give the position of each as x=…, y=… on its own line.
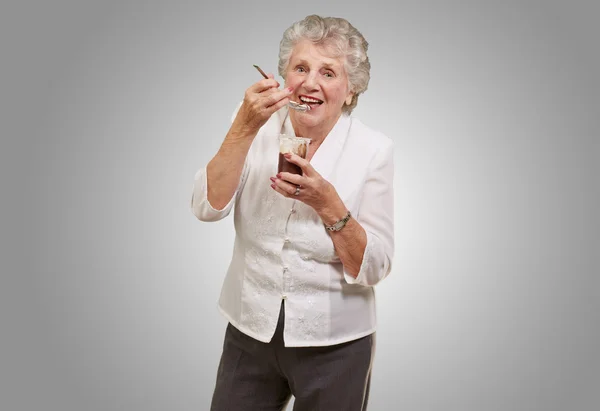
x=311, y=101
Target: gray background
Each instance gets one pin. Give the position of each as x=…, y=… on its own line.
x=109, y=284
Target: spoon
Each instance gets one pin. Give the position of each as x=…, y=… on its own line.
x=291, y=104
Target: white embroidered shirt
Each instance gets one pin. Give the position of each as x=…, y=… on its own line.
x=282, y=250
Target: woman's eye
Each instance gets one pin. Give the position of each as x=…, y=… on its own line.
x=300, y=69
x=329, y=75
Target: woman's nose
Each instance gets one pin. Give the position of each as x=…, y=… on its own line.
x=310, y=82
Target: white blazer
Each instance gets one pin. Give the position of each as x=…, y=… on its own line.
x=282, y=250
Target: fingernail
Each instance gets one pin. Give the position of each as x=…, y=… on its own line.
x=272, y=185
x=290, y=89
x=278, y=175
x=287, y=155
x=272, y=179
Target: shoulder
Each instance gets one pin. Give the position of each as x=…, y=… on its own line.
x=367, y=139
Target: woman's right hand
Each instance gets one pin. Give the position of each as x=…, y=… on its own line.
x=261, y=100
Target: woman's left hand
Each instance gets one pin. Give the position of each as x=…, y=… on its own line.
x=313, y=190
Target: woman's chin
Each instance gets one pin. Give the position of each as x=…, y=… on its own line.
x=308, y=120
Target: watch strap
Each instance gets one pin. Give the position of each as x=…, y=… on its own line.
x=338, y=225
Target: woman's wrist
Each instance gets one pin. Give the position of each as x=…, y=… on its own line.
x=333, y=211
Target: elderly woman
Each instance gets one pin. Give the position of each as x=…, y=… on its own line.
x=309, y=247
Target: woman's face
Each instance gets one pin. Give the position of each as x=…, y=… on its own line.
x=319, y=80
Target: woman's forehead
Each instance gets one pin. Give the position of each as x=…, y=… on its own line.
x=309, y=52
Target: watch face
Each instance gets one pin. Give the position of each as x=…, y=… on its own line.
x=339, y=224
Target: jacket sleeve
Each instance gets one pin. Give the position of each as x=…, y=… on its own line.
x=376, y=216
x=200, y=205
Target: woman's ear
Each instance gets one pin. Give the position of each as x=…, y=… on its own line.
x=349, y=98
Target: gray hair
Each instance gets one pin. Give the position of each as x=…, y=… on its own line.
x=342, y=39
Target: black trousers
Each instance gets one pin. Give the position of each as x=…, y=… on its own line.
x=256, y=376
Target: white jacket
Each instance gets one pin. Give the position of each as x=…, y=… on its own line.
x=282, y=250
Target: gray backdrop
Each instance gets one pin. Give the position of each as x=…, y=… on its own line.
x=109, y=284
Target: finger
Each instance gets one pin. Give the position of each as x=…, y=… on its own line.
x=284, y=186
x=264, y=84
x=306, y=167
x=279, y=104
x=295, y=179
x=280, y=190
x=276, y=97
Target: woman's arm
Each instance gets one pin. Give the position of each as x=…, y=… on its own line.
x=261, y=100
x=223, y=172
x=350, y=242
x=214, y=190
